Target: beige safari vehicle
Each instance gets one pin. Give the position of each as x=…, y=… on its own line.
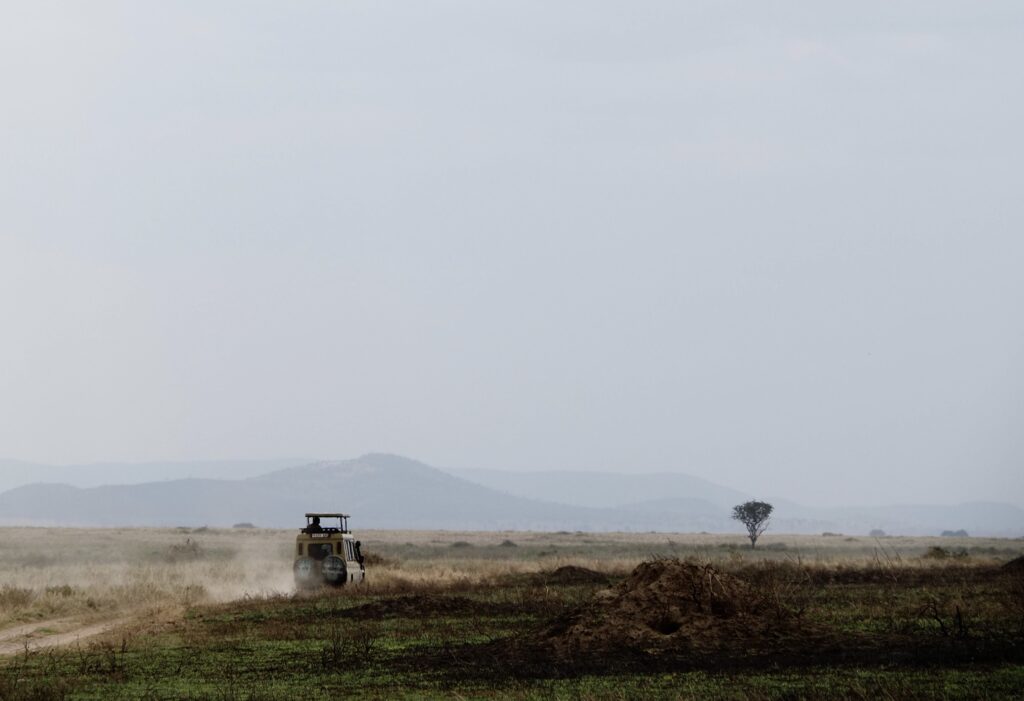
x=327, y=553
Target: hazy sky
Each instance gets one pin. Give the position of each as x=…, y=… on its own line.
x=777, y=245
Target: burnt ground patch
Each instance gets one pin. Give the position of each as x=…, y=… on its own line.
x=426, y=605
x=671, y=616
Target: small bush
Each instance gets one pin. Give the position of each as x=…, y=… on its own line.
x=14, y=597
x=189, y=550
x=63, y=590
x=507, y=544
x=939, y=553
x=461, y=544
x=877, y=533
x=373, y=559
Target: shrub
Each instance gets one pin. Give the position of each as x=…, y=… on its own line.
x=937, y=553
x=63, y=590
x=507, y=544
x=349, y=645
x=189, y=550
x=877, y=533
x=14, y=597
x=372, y=559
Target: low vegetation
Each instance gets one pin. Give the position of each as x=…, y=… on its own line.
x=570, y=615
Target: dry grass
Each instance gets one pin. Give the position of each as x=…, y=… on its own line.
x=48, y=573
x=98, y=573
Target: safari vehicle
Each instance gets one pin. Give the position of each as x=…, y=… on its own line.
x=327, y=554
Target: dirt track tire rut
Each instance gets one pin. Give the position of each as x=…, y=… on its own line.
x=39, y=635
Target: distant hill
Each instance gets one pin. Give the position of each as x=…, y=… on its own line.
x=388, y=491
x=381, y=491
x=16, y=473
x=603, y=489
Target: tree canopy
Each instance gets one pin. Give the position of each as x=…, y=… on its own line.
x=754, y=515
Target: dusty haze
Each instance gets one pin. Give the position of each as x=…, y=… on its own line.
x=776, y=246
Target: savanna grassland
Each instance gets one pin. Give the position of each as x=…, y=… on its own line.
x=206, y=613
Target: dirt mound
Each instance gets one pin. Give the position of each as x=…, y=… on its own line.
x=420, y=605
x=669, y=607
x=571, y=574
x=1015, y=566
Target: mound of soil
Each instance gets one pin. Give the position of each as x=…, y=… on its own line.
x=570, y=575
x=421, y=605
x=668, y=605
x=1015, y=566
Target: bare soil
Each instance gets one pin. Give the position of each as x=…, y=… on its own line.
x=52, y=633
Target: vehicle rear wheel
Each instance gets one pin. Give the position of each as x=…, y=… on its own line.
x=306, y=574
x=334, y=570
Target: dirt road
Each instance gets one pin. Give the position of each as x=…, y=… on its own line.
x=52, y=633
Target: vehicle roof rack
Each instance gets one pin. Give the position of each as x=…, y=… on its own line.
x=342, y=521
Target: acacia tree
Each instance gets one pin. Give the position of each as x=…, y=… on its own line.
x=754, y=515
